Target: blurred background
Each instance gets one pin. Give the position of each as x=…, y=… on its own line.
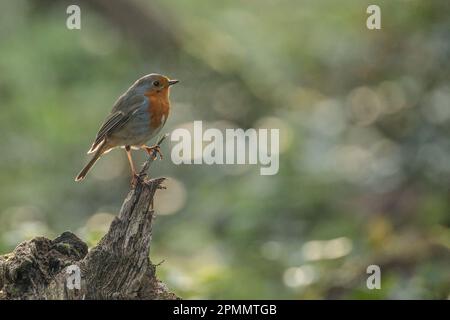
x=364, y=119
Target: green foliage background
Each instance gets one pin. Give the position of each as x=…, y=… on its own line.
x=365, y=153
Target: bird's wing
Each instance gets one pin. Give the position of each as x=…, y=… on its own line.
x=116, y=120
x=126, y=100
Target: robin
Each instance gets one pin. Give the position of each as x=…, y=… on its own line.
x=137, y=116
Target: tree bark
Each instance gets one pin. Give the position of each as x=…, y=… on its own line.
x=117, y=268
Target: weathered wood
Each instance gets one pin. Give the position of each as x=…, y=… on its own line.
x=117, y=268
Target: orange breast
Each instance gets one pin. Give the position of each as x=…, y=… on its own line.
x=159, y=107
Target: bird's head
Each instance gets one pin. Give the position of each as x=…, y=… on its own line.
x=153, y=84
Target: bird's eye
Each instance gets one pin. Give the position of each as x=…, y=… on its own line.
x=156, y=83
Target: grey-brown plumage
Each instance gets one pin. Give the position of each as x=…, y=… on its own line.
x=137, y=116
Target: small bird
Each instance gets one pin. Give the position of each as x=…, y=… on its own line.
x=137, y=116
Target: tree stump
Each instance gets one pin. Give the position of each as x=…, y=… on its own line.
x=118, y=267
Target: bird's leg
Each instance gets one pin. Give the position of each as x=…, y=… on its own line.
x=134, y=176
x=153, y=148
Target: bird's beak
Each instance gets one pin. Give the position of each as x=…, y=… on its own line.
x=172, y=82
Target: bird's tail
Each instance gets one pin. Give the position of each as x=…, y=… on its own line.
x=88, y=167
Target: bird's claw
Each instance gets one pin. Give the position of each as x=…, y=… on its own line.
x=151, y=153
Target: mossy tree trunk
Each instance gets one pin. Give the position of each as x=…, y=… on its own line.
x=117, y=268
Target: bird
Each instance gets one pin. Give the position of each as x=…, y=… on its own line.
x=137, y=116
